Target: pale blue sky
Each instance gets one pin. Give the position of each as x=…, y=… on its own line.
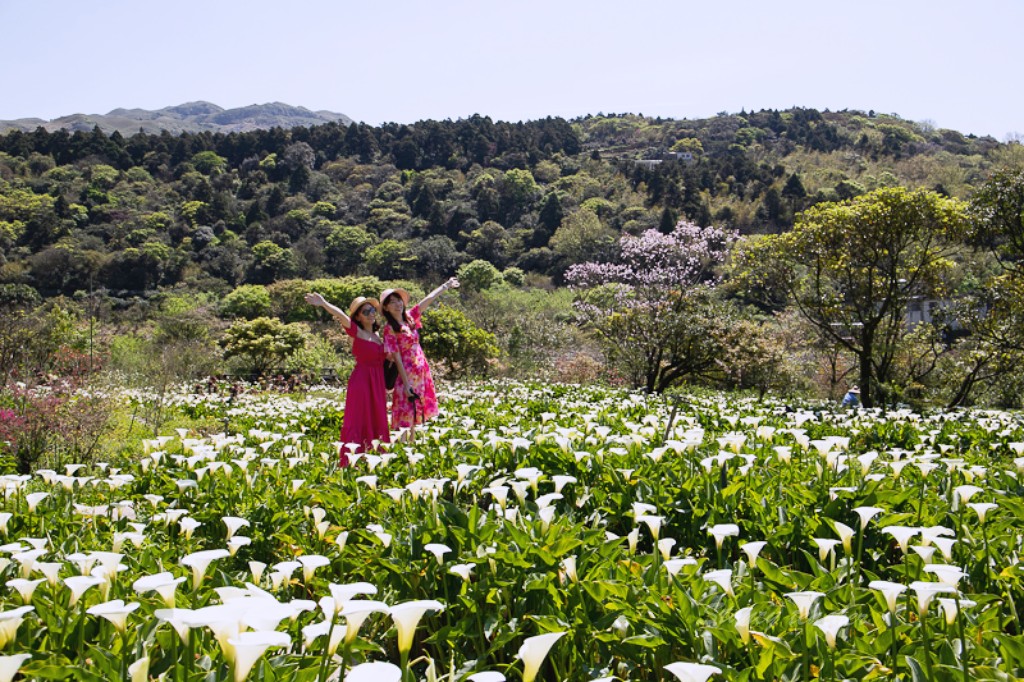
x=956, y=64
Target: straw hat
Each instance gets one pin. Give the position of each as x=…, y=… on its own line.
x=401, y=292
x=359, y=302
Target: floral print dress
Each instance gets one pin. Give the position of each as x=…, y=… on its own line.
x=406, y=342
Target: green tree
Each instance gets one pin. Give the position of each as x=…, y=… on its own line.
x=271, y=262
x=582, y=237
x=346, y=248
x=478, y=275
x=248, y=301
x=389, y=259
x=262, y=344
x=448, y=336
x=852, y=268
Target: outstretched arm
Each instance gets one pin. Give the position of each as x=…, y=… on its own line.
x=429, y=298
x=318, y=301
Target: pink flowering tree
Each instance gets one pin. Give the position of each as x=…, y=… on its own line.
x=653, y=308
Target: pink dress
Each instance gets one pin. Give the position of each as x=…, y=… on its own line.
x=406, y=342
x=366, y=408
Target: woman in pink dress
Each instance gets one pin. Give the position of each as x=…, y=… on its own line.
x=413, y=400
x=366, y=413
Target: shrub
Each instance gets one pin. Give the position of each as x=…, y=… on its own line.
x=248, y=301
x=262, y=344
x=478, y=275
x=450, y=337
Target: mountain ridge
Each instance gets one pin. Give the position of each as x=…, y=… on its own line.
x=191, y=117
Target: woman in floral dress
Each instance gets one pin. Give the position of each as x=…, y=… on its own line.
x=366, y=411
x=413, y=400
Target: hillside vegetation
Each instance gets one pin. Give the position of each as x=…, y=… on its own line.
x=85, y=210
x=157, y=227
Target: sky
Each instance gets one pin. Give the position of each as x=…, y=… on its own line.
x=955, y=64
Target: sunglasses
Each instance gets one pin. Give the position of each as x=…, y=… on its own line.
x=368, y=310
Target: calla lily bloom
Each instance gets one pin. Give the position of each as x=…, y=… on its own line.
x=653, y=524
x=692, y=672
x=722, y=578
x=139, y=670
x=825, y=547
x=311, y=562
x=33, y=500
x=945, y=546
x=356, y=611
x=949, y=575
x=233, y=524
x=464, y=571
x=26, y=588
x=982, y=508
x=830, y=627
x=180, y=620
x=742, y=617
x=866, y=514
x=238, y=542
x=115, y=611
x=376, y=671
x=10, y=621
x=964, y=493
x=163, y=584
x=890, y=591
x=78, y=584
x=752, y=549
x=407, y=616
x=673, y=566
x=951, y=607
x=722, y=531
x=533, y=652
x=486, y=676
x=926, y=591
x=438, y=550
x=249, y=646
x=804, y=601
x=902, y=535
x=845, y=534
x=199, y=562
x=9, y=666
x=343, y=593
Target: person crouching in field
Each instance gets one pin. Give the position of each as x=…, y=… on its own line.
x=366, y=412
x=413, y=401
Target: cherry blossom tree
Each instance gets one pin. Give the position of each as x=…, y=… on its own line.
x=652, y=307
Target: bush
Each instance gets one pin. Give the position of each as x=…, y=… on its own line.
x=478, y=275
x=248, y=301
x=263, y=344
x=50, y=424
x=450, y=337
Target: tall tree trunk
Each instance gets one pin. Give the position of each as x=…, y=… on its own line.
x=867, y=393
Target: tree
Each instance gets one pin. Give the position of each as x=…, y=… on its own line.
x=450, y=337
x=270, y=262
x=389, y=258
x=582, y=237
x=478, y=275
x=262, y=344
x=852, y=268
x=993, y=313
x=248, y=301
x=653, y=309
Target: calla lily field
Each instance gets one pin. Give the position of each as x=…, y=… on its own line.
x=529, y=532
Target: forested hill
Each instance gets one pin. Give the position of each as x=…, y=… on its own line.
x=190, y=117
x=210, y=211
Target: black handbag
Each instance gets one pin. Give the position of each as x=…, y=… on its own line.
x=390, y=374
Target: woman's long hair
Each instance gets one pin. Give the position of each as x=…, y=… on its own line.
x=395, y=325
